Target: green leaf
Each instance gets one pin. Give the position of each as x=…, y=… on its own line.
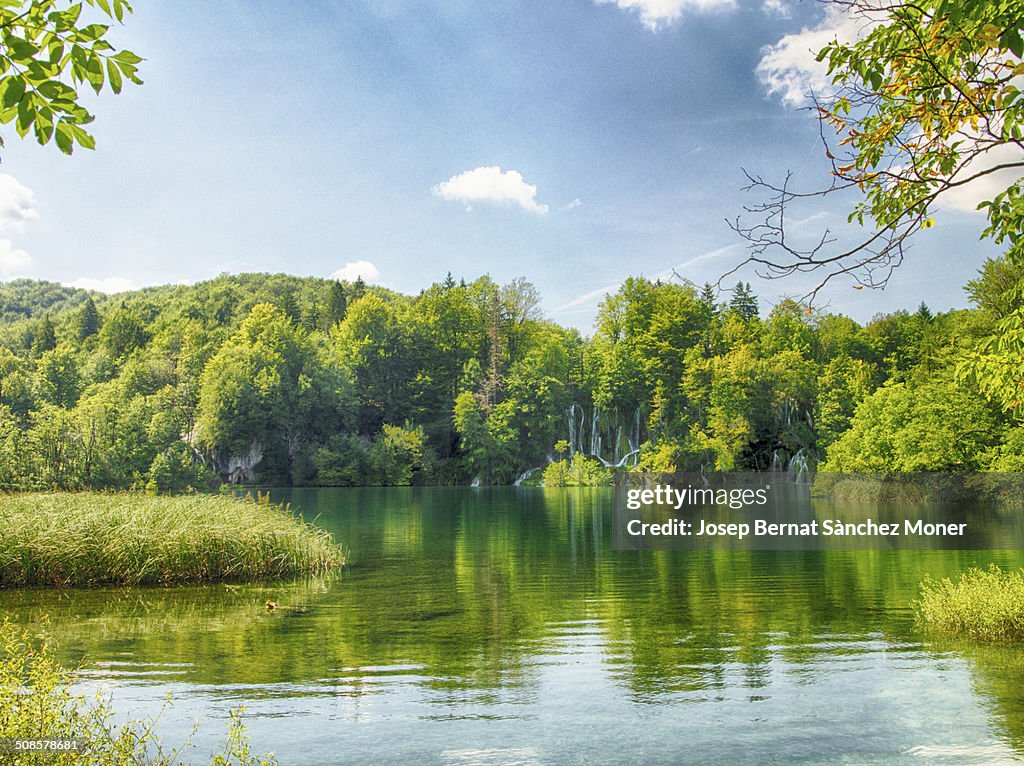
x=65, y=140
x=94, y=72
x=1011, y=40
x=127, y=57
x=114, y=76
x=26, y=115
x=22, y=50
x=43, y=126
x=12, y=88
x=84, y=139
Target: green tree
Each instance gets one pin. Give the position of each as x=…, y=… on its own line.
x=87, y=323
x=937, y=426
x=45, y=338
x=59, y=380
x=337, y=305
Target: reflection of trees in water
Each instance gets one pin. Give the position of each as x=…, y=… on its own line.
x=460, y=591
x=998, y=676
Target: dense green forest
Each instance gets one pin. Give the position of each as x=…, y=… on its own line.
x=281, y=379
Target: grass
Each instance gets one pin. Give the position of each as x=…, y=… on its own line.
x=983, y=604
x=36, y=702
x=68, y=539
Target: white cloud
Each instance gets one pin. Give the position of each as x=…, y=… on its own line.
x=12, y=262
x=107, y=285
x=573, y=205
x=16, y=202
x=352, y=270
x=655, y=14
x=489, y=184
x=966, y=198
x=778, y=8
x=788, y=69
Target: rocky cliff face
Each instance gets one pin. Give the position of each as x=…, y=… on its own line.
x=239, y=469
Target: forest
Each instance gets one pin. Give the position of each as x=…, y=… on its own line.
x=276, y=379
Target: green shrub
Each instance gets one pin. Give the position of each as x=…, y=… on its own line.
x=984, y=604
x=36, y=702
x=580, y=472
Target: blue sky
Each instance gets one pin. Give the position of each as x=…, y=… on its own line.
x=573, y=142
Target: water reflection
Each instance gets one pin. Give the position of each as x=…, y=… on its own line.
x=468, y=618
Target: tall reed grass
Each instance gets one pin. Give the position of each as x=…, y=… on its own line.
x=983, y=604
x=65, y=539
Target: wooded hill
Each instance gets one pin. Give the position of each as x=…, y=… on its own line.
x=281, y=379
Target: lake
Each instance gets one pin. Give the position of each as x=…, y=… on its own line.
x=498, y=626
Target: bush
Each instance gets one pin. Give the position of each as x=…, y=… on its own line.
x=581, y=472
x=342, y=463
x=36, y=702
x=984, y=604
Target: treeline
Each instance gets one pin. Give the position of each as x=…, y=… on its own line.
x=280, y=379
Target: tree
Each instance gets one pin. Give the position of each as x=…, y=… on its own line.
x=87, y=322
x=926, y=102
x=46, y=337
x=743, y=301
x=937, y=426
x=49, y=49
x=337, y=305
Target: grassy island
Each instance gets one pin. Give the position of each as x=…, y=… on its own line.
x=983, y=604
x=66, y=539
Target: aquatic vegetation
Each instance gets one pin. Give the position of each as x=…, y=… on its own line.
x=36, y=703
x=65, y=539
x=985, y=604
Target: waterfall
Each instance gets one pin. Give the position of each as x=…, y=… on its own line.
x=776, y=462
x=798, y=470
x=475, y=482
x=587, y=438
x=626, y=457
x=573, y=434
x=526, y=475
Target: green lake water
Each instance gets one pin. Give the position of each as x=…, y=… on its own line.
x=498, y=626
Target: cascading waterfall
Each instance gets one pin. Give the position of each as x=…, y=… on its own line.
x=590, y=436
x=526, y=475
x=799, y=471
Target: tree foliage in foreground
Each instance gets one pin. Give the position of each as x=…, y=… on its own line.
x=927, y=101
x=49, y=50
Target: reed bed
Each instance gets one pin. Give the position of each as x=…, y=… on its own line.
x=69, y=539
x=983, y=604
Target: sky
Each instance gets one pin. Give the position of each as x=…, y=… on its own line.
x=572, y=142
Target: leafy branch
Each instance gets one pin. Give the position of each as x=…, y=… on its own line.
x=927, y=102
x=47, y=52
